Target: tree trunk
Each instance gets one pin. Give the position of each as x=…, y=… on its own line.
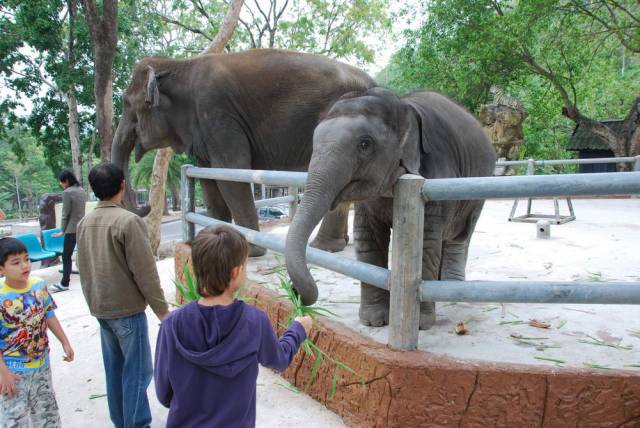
x=92, y=146
x=226, y=29
x=74, y=133
x=70, y=96
x=175, y=196
x=104, y=39
x=157, y=199
x=622, y=144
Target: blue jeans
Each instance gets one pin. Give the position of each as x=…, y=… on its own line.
x=127, y=363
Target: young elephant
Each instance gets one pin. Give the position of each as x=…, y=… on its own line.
x=359, y=150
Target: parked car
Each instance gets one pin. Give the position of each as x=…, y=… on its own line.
x=271, y=213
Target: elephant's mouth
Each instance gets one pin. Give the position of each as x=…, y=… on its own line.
x=352, y=192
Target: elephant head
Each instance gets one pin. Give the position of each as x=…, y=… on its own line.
x=147, y=114
x=362, y=146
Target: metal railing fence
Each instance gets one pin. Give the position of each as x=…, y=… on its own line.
x=404, y=280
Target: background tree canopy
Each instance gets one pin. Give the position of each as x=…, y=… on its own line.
x=567, y=61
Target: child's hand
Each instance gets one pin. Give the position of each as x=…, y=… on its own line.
x=68, y=352
x=306, y=322
x=8, y=381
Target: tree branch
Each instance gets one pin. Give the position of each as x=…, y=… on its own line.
x=226, y=29
x=200, y=8
x=186, y=27
x=246, y=26
x=334, y=15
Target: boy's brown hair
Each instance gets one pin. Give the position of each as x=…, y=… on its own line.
x=215, y=251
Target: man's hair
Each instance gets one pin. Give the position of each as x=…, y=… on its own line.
x=105, y=180
x=215, y=251
x=10, y=247
x=68, y=176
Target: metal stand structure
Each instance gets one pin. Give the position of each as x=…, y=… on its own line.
x=529, y=217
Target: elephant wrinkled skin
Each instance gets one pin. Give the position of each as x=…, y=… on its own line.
x=359, y=150
x=248, y=110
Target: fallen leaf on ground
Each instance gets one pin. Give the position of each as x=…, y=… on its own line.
x=539, y=324
x=460, y=330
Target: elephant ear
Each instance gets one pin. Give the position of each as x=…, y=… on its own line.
x=411, y=141
x=152, y=98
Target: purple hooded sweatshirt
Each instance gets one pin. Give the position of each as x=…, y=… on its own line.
x=207, y=362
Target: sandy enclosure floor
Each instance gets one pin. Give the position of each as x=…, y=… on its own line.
x=600, y=245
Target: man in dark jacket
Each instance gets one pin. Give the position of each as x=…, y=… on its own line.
x=74, y=200
x=208, y=351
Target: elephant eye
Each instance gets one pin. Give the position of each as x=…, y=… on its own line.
x=365, y=144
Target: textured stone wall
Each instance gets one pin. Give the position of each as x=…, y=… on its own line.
x=395, y=388
x=503, y=126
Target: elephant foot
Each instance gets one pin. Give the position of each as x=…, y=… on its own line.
x=427, y=315
x=255, y=251
x=332, y=245
x=376, y=315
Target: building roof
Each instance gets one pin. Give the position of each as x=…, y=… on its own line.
x=583, y=139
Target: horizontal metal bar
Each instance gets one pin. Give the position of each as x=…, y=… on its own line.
x=359, y=270
x=272, y=178
x=619, y=293
x=455, y=291
x=273, y=201
x=583, y=161
x=611, y=183
x=567, y=161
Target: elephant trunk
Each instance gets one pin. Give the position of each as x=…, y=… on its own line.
x=123, y=143
x=317, y=201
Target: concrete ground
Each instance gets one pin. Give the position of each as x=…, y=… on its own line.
x=601, y=245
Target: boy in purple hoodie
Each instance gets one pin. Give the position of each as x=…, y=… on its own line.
x=208, y=351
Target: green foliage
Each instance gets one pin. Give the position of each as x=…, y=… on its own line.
x=336, y=28
x=310, y=348
x=141, y=172
x=534, y=49
x=38, y=67
x=189, y=289
x=23, y=172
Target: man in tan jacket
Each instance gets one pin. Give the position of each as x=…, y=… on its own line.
x=119, y=279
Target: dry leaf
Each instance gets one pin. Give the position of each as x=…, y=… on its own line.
x=460, y=330
x=539, y=324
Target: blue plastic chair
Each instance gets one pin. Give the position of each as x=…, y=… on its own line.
x=34, y=248
x=53, y=243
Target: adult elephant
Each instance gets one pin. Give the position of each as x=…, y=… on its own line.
x=250, y=110
x=359, y=150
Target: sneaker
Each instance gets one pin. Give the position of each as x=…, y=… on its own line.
x=56, y=288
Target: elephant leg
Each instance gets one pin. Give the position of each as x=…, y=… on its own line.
x=434, y=224
x=372, y=246
x=455, y=251
x=239, y=199
x=231, y=149
x=216, y=206
x=333, y=235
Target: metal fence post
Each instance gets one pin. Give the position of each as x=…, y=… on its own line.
x=406, y=263
x=293, y=205
x=531, y=165
x=188, y=202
